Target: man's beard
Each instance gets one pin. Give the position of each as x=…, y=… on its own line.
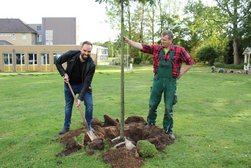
x=84, y=57
x=165, y=44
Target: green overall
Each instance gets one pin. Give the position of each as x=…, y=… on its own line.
x=163, y=82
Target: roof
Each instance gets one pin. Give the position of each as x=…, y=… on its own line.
x=4, y=42
x=247, y=50
x=14, y=26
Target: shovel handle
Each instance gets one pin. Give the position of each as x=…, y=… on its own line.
x=79, y=107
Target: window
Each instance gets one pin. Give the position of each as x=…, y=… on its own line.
x=55, y=56
x=7, y=58
x=104, y=51
x=39, y=38
x=13, y=36
x=44, y=59
x=32, y=58
x=49, y=37
x=39, y=28
x=24, y=36
x=5, y=34
x=19, y=59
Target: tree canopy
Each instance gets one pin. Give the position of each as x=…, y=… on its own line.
x=225, y=26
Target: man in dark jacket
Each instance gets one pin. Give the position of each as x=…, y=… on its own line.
x=79, y=73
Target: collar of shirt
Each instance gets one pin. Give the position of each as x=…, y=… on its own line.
x=166, y=49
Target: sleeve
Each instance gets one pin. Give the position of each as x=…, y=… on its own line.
x=62, y=59
x=148, y=48
x=186, y=57
x=87, y=82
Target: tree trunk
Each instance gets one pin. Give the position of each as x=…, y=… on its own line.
x=153, y=15
x=141, y=23
x=142, y=28
x=129, y=28
x=122, y=74
x=160, y=14
x=235, y=33
x=235, y=52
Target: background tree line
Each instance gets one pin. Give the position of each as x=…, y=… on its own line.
x=218, y=33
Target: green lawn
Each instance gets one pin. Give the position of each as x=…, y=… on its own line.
x=212, y=118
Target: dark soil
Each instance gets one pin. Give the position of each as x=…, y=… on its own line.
x=120, y=157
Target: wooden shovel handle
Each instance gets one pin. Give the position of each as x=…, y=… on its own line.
x=79, y=107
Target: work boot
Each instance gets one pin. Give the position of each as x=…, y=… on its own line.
x=63, y=131
x=170, y=135
x=148, y=125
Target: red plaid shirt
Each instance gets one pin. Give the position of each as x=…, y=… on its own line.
x=180, y=56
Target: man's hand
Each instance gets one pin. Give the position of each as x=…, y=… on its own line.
x=126, y=40
x=133, y=43
x=78, y=103
x=184, y=70
x=66, y=78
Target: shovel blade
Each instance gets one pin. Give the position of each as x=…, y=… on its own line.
x=91, y=135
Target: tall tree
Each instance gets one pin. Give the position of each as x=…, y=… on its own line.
x=129, y=25
x=137, y=27
x=235, y=11
x=246, y=28
x=152, y=18
x=122, y=100
x=160, y=13
x=122, y=4
x=205, y=26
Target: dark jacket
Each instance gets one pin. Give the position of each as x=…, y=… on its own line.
x=71, y=58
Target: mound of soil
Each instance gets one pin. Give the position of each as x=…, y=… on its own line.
x=134, y=130
x=120, y=158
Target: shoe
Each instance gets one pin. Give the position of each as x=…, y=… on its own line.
x=149, y=125
x=63, y=131
x=171, y=136
x=90, y=129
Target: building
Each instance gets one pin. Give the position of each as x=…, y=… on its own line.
x=56, y=31
x=59, y=31
x=52, y=31
x=247, y=59
x=15, y=32
x=101, y=54
x=34, y=58
x=35, y=47
x=38, y=29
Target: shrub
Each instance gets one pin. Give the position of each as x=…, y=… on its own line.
x=146, y=149
x=207, y=54
x=229, y=66
x=137, y=60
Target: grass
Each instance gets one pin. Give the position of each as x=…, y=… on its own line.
x=212, y=118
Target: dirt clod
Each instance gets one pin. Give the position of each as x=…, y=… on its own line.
x=134, y=130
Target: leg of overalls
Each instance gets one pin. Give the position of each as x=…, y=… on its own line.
x=169, y=93
x=155, y=98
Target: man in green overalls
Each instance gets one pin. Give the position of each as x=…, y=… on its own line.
x=167, y=62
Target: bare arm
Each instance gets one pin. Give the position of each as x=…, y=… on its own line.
x=133, y=43
x=184, y=70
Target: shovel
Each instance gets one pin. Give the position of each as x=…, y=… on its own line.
x=90, y=133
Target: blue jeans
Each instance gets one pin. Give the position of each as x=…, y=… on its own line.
x=69, y=101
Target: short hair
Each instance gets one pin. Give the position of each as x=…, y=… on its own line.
x=86, y=42
x=169, y=33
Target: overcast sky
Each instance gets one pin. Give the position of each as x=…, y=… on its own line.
x=90, y=15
